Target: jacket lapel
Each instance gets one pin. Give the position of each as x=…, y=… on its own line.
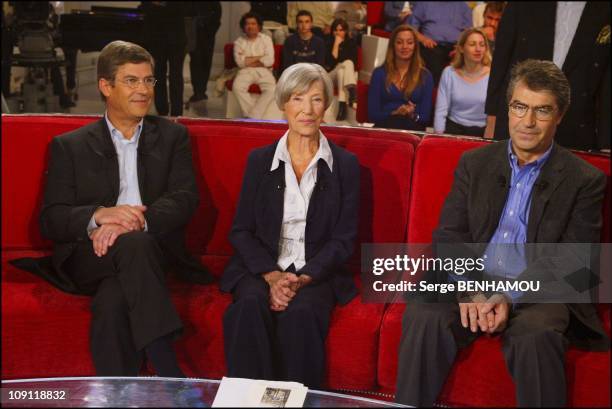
x=591, y=21
x=147, y=148
x=548, y=180
x=101, y=143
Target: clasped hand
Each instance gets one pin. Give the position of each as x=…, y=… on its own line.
x=405, y=110
x=113, y=222
x=490, y=315
x=283, y=287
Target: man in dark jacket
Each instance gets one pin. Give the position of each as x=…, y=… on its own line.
x=509, y=194
x=118, y=195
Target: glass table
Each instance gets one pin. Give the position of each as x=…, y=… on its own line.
x=143, y=392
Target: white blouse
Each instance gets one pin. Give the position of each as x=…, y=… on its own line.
x=291, y=248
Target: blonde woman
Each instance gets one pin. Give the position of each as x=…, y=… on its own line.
x=463, y=87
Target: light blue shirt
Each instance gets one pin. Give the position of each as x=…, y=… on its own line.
x=505, y=254
x=127, y=157
x=459, y=100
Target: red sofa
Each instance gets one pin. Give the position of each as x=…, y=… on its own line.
x=45, y=332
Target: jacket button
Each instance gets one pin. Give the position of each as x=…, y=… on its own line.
x=595, y=64
x=584, y=94
x=581, y=125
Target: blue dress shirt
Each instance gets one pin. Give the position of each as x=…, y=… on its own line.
x=505, y=254
x=127, y=156
x=442, y=21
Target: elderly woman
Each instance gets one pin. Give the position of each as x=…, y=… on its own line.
x=294, y=228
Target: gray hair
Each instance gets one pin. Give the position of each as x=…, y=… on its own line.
x=298, y=78
x=541, y=75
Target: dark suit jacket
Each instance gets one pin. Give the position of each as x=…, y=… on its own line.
x=83, y=174
x=565, y=208
x=331, y=222
x=527, y=30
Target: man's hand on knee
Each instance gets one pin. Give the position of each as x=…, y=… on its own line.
x=104, y=236
x=130, y=217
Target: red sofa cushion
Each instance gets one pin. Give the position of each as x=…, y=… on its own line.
x=23, y=173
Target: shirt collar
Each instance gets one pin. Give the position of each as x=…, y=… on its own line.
x=537, y=164
x=324, y=152
x=118, y=136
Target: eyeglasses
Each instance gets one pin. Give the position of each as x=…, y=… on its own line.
x=134, y=82
x=543, y=113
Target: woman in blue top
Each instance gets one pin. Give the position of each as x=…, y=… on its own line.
x=463, y=87
x=400, y=93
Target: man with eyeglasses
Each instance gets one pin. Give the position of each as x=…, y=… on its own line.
x=507, y=194
x=575, y=35
x=118, y=195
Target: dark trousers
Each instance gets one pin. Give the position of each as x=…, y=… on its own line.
x=534, y=348
x=284, y=346
x=172, y=55
x=457, y=129
x=436, y=59
x=201, y=59
x=131, y=305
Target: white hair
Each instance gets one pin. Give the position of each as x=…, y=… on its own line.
x=298, y=78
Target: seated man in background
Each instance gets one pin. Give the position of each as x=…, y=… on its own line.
x=303, y=46
x=492, y=16
x=118, y=195
x=321, y=12
x=524, y=190
x=254, y=55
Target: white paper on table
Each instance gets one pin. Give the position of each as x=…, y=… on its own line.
x=259, y=393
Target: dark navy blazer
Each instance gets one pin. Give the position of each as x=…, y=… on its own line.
x=331, y=221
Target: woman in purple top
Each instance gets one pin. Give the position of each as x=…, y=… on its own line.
x=463, y=87
x=400, y=93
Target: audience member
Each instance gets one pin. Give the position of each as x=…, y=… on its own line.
x=439, y=24
x=463, y=87
x=341, y=63
x=303, y=46
x=322, y=14
x=400, y=92
x=579, y=43
x=396, y=13
x=254, y=56
x=288, y=272
x=205, y=24
x=355, y=14
x=492, y=15
x=276, y=12
x=164, y=35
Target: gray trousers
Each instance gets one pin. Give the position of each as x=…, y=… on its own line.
x=534, y=348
